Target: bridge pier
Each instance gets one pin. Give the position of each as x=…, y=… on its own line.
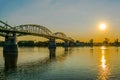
x=10, y=51
x=52, y=44
x=52, y=53
x=66, y=44
x=71, y=44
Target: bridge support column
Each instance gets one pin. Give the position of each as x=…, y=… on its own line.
x=10, y=51
x=66, y=44
x=52, y=53
x=71, y=44
x=52, y=44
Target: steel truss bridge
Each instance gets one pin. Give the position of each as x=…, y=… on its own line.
x=31, y=29
x=10, y=48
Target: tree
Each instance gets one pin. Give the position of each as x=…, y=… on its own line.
x=116, y=43
x=91, y=42
x=106, y=41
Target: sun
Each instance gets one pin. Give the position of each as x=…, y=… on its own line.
x=102, y=26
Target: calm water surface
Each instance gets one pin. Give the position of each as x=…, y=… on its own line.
x=80, y=63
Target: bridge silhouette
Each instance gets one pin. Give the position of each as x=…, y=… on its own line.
x=31, y=29
x=11, y=33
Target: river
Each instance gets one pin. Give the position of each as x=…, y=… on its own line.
x=74, y=63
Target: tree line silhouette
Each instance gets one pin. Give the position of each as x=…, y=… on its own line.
x=76, y=43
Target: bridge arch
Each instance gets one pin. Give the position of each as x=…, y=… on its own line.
x=31, y=29
x=34, y=29
x=4, y=25
x=60, y=34
x=63, y=36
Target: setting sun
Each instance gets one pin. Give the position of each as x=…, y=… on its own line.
x=102, y=26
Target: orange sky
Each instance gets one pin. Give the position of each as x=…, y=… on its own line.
x=78, y=19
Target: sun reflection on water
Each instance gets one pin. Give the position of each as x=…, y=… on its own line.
x=103, y=61
x=104, y=71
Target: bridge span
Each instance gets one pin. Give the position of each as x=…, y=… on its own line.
x=10, y=33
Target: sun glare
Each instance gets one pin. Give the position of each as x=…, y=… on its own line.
x=102, y=26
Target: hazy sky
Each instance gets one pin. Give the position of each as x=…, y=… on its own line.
x=77, y=18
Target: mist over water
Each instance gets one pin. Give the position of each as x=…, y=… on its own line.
x=74, y=63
